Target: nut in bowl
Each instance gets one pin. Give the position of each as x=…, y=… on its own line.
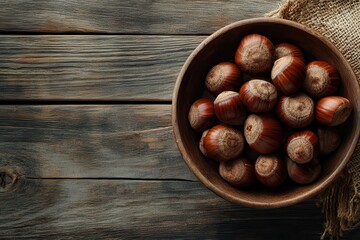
x=249, y=129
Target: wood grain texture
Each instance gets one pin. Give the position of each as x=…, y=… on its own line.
x=118, y=209
x=90, y=141
x=91, y=67
x=132, y=173
x=113, y=16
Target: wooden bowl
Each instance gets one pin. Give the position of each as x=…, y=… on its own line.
x=221, y=46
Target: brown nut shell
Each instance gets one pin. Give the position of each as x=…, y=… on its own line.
x=258, y=95
x=288, y=74
x=287, y=49
x=302, y=147
x=223, y=143
x=238, y=172
x=321, y=79
x=333, y=110
x=201, y=143
x=229, y=108
x=303, y=173
x=296, y=111
x=270, y=170
x=329, y=138
x=201, y=114
x=225, y=76
x=263, y=133
x=255, y=54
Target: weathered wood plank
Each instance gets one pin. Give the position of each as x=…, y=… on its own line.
x=91, y=67
x=118, y=209
x=113, y=16
x=91, y=141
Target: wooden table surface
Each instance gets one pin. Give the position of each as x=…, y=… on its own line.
x=86, y=144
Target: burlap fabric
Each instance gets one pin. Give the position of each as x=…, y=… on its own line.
x=339, y=21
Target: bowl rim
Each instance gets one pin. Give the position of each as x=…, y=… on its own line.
x=202, y=178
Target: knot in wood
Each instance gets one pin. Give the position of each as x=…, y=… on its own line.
x=10, y=179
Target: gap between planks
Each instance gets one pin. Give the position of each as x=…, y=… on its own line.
x=115, y=179
x=19, y=33
x=84, y=102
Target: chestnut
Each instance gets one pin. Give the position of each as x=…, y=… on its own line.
x=255, y=54
x=223, y=143
x=229, y=109
x=333, y=110
x=225, y=76
x=258, y=95
x=263, y=133
x=270, y=170
x=201, y=114
x=296, y=111
x=302, y=147
x=238, y=172
x=201, y=143
x=303, y=173
x=287, y=49
x=329, y=138
x=321, y=79
x=288, y=74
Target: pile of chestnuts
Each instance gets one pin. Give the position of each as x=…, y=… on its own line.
x=276, y=125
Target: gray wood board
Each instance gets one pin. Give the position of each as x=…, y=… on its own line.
x=113, y=16
x=91, y=67
x=90, y=141
x=121, y=209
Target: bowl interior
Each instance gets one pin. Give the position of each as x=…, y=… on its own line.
x=221, y=46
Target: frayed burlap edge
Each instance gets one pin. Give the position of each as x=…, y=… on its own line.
x=286, y=9
x=340, y=201
x=340, y=204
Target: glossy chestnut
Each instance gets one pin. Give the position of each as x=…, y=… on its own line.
x=223, y=143
x=296, y=111
x=321, y=79
x=270, y=170
x=225, y=76
x=255, y=54
x=287, y=49
x=238, y=172
x=302, y=147
x=201, y=143
x=263, y=133
x=329, y=138
x=333, y=110
x=258, y=95
x=201, y=114
x=229, y=108
x=288, y=74
x=303, y=173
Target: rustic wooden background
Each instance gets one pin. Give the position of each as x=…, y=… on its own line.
x=86, y=144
